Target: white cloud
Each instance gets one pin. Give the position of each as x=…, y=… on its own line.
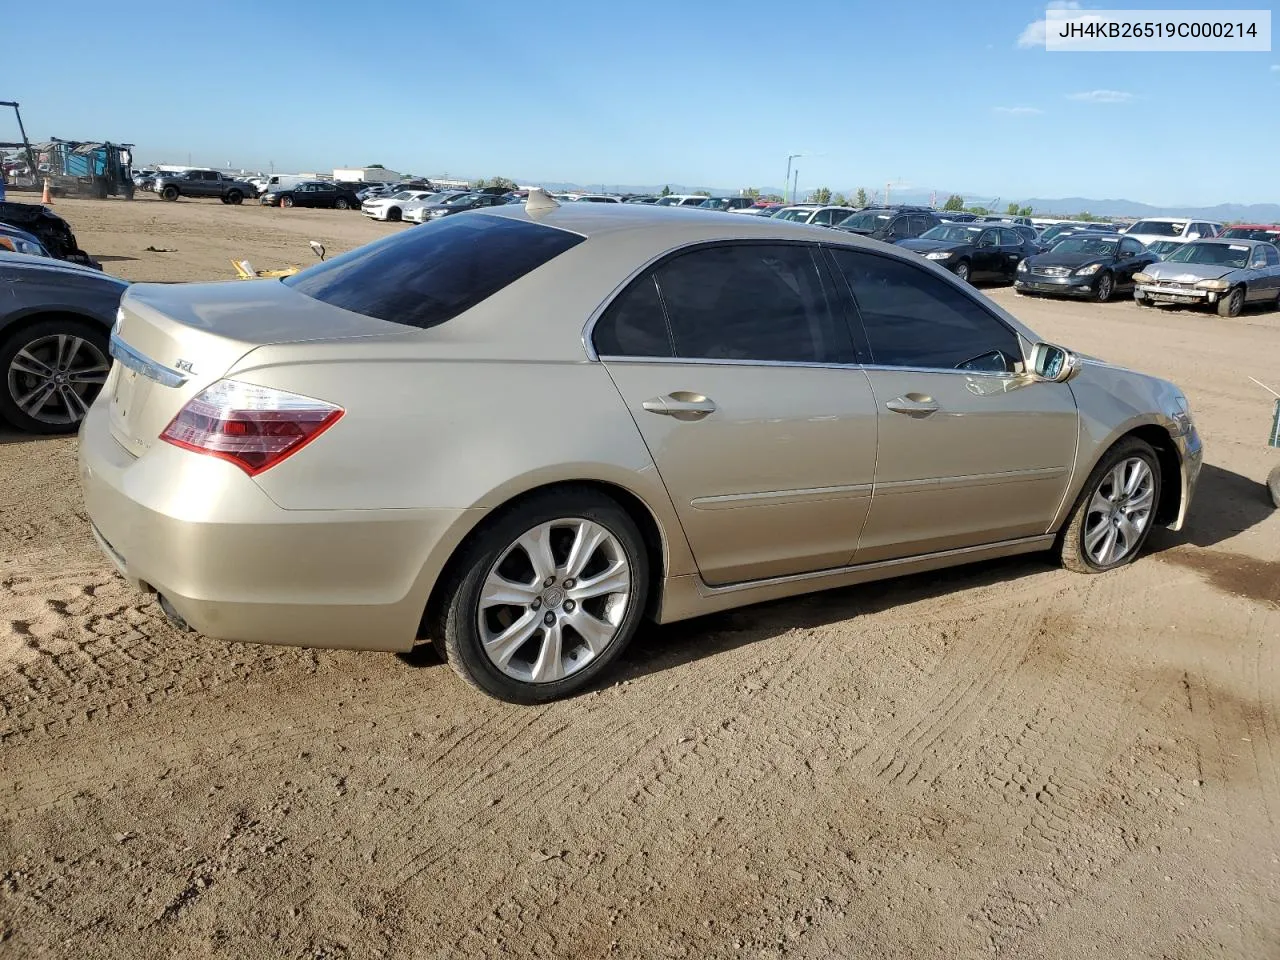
x=1102, y=96
x=1275, y=68
x=1018, y=111
x=1033, y=35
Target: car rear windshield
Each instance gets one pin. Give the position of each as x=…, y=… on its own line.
x=1157, y=228
x=427, y=275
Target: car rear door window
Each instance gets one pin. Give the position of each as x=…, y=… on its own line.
x=428, y=275
x=1010, y=237
x=634, y=325
x=914, y=319
x=762, y=302
x=1132, y=247
x=1273, y=256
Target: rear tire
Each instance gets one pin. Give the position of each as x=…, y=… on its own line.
x=553, y=650
x=341, y=204
x=1110, y=522
x=1232, y=304
x=1273, y=484
x=235, y=197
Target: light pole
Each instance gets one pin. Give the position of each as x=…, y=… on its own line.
x=787, y=180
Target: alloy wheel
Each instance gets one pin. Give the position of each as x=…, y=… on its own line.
x=1105, y=286
x=53, y=379
x=1119, y=512
x=554, y=600
x=962, y=271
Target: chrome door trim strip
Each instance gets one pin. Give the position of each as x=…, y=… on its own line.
x=140, y=364
x=730, y=501
x=972, y=480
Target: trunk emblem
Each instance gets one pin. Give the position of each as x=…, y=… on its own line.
x=185, y=366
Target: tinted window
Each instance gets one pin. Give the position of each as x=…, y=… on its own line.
x=989, y=238
x=914, y=319
x=425, y=276
x=752, y=302
x=1010, y=237
x=634, y=324
x=1129, y=245
x=1273, y=256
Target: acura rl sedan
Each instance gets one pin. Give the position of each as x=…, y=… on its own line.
x=1223, y=274
x=519, y=432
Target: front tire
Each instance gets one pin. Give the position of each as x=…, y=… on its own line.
x=169, y=193
x=1115, y=511
x=341, y=204
x=1104, y=288
x=1273, y=484
x=394, y=215
x=545, y=597
x=961, y=270
x=50, y=372
x=1232, y=304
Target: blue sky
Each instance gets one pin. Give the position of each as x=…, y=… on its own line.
x=928, y=94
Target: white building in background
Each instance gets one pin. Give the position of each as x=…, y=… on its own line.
x=365, y=175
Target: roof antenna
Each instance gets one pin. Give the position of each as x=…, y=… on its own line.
x=540, y=201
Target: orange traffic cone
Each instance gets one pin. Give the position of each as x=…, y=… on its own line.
x=47, y=196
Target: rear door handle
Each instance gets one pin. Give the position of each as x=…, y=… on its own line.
x=913, y=405
x=681, y=404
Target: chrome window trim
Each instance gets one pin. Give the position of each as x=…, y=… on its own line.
x=868, y=367
x=135, y=361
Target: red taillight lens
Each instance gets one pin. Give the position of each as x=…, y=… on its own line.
x=253, y=427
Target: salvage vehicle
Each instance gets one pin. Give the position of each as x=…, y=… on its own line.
x=312, y=193
x=51, y=230
x=890, y=224
x=1270, y=232
x=435, y=208
x=54, y=329
x=392, y=207
x=1088, y=264
x=973, y=251
x=1173, y=228
x=1225, y=274
x=203, y=183
x=662, y=417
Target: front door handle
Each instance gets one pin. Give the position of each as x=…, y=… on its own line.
x=913, y=405
x=681, y=404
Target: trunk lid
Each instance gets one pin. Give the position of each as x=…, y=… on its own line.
x=173, y=340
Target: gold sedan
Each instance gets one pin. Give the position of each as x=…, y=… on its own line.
x=518, y=432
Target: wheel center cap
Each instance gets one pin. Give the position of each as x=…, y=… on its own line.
x=553, y=597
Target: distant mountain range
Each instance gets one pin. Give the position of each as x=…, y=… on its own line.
x=1046, y=206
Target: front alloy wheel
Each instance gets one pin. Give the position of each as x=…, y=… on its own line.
x=1105, y=287
x=1114, y=513
x=962, y=271
x=544, y=596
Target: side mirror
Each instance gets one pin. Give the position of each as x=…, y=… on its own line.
x=317, y=247
x=1053, y=363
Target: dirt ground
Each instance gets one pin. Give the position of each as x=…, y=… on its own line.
x=1003, y=760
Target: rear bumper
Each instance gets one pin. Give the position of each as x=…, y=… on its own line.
x=236, y=566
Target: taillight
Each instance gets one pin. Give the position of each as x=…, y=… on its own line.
x=253, y=427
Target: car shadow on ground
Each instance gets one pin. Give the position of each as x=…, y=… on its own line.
x=1225, y=505
x=101, y=259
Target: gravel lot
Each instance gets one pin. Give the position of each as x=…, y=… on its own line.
x=1003, y=760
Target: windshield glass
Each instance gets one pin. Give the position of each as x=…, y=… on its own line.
x=1058, y=229
x=1092, y=246
x=1161, y=247
x=1218, y=254
x=461, y=199
x=796, y=213
x=1269, y=234
x=1158, y=228
x=667, y=201
x=403, y=195
x=865, y=221
x=951, y=233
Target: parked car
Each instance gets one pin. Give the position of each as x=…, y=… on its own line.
x=276, y=486
x=313, y=193
x=392, y=207
x=1173, y=228
x=203, y=183
x=761, y=209
x=54, y=324
x=598, y=198
x=1226, y=274
x=51, y=230
x=1006, y=218
x=1162, y=248
x=1061, y=231
x=1088, y=264
x=19, y=241
x=679, y=200
x=956, y=216
x=731, y=204
x=890, y=224
x=974, y=251
x=458, y=204
x=1268, y=232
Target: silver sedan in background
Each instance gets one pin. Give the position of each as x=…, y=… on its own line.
x=1226, y=274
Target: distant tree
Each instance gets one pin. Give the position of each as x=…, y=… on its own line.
x=1012, y=210
x=1025, y=211
x=860, y=198
x=752, y=192
x=821, y=195
x=502, y=182
x=772, y=198
x=478, y=184
x=702, y=193
x=666, y=191
x=980, y=211
x=955, y=203
x=1086, y=216
x=840, y=200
